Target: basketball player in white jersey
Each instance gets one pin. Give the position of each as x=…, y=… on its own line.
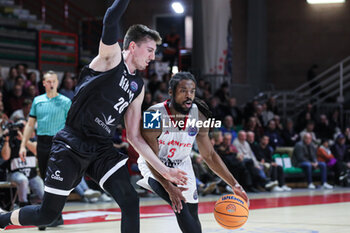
x=173, y=144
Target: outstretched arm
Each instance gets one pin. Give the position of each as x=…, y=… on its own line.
x=175, y=193
x=132, y=120
x=214, y=161
x=109, y=55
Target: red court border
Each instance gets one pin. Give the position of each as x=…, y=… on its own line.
x=207, y=207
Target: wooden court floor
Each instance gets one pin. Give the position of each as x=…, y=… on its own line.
x=298, y=211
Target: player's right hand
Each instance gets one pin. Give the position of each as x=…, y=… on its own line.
x=238, y=190
x=176, y=197
x=176, y=176
x=22, y=153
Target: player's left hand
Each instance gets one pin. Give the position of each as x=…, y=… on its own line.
x=238, y=190
x=176, y=176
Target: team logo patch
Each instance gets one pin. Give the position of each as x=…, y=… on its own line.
x=134, y=86
x=231, y=208
x=195, y=195
x=192, y=131
x=151, y=120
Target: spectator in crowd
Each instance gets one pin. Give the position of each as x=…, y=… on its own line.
x=16, y=100
x=266, y=114
x=22, y=173
x=22, y=113
x=251, y=163
x=223, y=93
x=305, y=116
x=250, y=109
x=87, y=194
x=310, y=129
x=272, y=106
x=279, y=126
x=289, y=136
x=3, y=115
x=228, y=127
x=234, y=161
x=324, y=154
x=153, y=84
x=162, y=91
x=304, y=156
x=32, y=81
x=10, y=81
x=22, y=70
x=253, y=125
x=67, y=86
x=263, y=153
x=339, y=150
x=323, y=129
x=234, y=111
x=251, y=140
x=215, y=108
x=275, y=139
x=200, y=89
x=31, y=92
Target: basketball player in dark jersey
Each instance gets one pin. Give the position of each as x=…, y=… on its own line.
x=108, y=89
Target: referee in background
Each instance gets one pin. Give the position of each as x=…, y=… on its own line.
x=49, y=111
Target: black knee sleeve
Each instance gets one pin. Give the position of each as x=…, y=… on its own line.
x=46, y=213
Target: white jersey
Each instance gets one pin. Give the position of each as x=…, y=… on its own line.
x=175, y=146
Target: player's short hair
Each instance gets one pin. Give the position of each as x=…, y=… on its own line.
x=139, y=33
x=49, y=73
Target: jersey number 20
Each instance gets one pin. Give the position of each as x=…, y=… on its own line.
x=121, y=105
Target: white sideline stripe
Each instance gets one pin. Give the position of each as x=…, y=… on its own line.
x=110, y=172
x=57, y=191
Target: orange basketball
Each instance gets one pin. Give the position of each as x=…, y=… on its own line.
x=231, y=211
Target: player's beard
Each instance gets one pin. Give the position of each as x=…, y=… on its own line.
x=179, y=108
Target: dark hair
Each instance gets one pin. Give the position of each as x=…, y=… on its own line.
x=139, y=33
x=174, y=81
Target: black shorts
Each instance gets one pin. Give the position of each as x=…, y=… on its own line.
x=67, y=166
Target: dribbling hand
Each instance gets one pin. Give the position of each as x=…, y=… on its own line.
x=23, y=153
x=238, y=190
x=176, y=176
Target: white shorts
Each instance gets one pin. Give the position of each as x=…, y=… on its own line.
x=191, y=195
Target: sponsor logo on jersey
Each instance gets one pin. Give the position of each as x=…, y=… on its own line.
x=105, y=124
x=124, y=84
x=192, y=131
x=57, y=176
x=151, y=120
x=134, y=86
x=195, y=195
x=109, y=120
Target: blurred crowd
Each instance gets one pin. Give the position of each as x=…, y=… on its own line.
x=248, y=141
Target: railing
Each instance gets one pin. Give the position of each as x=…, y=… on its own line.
x=63, y=56
x=65, y=15
x=330, y=84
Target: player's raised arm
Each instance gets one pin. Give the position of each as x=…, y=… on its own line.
x=109, y=54
x=132, y=120
x=214, y=161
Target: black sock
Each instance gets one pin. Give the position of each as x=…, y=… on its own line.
x=5, y=220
